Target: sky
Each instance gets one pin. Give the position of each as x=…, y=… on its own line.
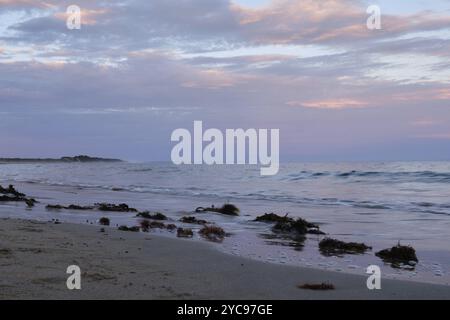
x=137, y=70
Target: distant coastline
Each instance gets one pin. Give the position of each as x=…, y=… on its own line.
x=80, y=158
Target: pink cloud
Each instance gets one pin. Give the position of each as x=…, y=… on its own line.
x=335, y=104
x=287, y=21
x=428, y=94
x=424, y=122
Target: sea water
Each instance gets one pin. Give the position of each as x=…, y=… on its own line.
x=380, y=204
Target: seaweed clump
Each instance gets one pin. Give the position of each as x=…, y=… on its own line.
x=171, y=227
x=272, y=217
x=298, y=226
x=11, y=191
x=70, y=207
x=131, y=229
x=329, y=247
x=184, y=233
x=104, y=221
x=213, y=233
x=146, y=225
x=296, y=241
x=288, y=231
x=193, y=220
x=11, y=194
x=99, y=206
x=227, y=209
x=115, y=208
x=398, y=256
x=153, y=224
x=321, y=286
x=5, y=252
x=148, y=215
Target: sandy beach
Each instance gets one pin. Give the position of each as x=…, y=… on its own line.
x=34, y=257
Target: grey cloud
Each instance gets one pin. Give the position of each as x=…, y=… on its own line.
x=203, y=25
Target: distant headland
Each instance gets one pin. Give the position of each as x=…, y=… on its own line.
x=80, y=158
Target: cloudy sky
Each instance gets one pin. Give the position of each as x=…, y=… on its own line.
x=137, y=70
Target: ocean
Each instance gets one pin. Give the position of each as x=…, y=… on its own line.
x=380, y=204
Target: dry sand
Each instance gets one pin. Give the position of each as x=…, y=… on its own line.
x=34, y=257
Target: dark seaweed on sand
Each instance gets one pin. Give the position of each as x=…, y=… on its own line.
x=70, y=207
x=213, y=233
x=227, y=209
x=104, y=221
x=115, y=208
x=272, y=217
x=184, y=233
x=331, y=247
x=155, y=216
x=321, y=286
x=5, y=252
x=193, y=220
x=295, y=241
x=146, y=225
x=11, y=194
x=289, y=225
x=171, y=227
x=299, y=226
x=99, y=206
x=11, y=191
x=125, y=228
x=399, y=256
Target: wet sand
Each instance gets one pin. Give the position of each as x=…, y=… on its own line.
x=34, y=257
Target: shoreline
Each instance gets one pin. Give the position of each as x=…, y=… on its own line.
x=125, y=265
x=248, y=239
